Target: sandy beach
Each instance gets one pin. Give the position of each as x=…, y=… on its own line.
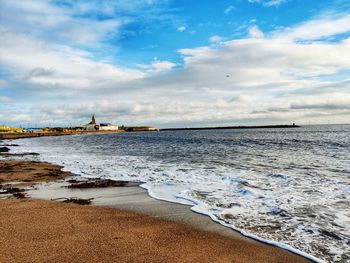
x=35, y=230
x=47, y=231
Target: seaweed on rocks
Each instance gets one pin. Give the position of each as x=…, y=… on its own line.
x=79, y=201
x=19, y=195
x=18, y=154
x=100, y=184
x=72, y=181
x=15, y=191
x=54, y=173
x=10, y=190
x=4, y=149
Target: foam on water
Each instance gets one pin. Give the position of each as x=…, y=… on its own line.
x=290, y=190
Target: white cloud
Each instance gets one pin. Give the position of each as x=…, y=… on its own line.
x=255, y=32
x=3, y=83
x=337, y=101
x=162, y=65
x=53, y=23
x=4, y=99
x=243, y=98
x=274, y=2
x=157, y=66
x=57, y=66
x=216, y=39
x=181, y=29
x=323, y=27
x=268, y=3
x=20, y=118
x=260, y=61
x=229, y=9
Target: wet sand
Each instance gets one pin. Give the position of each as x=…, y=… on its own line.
x=47, y=231
x=35, y=230
x=29, y=171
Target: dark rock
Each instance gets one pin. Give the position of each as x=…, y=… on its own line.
x=19, y=195
x=101, y=184
x=4, y=149
x=330, y=234
x=230, y=205
x=279, y=212
x=10, y=190
x=78, y=201
x=228, y=216
x=72, y=181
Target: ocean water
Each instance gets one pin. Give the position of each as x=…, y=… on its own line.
x=289, y=187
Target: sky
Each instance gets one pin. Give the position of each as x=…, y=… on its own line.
x=174, y=63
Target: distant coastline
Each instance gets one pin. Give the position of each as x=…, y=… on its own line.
x=18, y=135
x=233, y=127
x=22, y=135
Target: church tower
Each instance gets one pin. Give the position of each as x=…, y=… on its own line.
x=93, y=121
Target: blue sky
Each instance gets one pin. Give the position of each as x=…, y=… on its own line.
x=174, y=63
x=160, y=29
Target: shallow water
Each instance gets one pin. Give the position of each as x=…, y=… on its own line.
x=290, y=186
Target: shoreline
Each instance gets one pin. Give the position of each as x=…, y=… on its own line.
x=18, y=135
x=23, y=135
x=158, y=211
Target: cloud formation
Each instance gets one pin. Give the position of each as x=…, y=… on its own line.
x=287, y=75
x=268, y=3
x=229, y=9
x=181, y=29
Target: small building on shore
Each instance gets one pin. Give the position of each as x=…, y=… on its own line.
x=93, y=126
x=108, y=127
x=140, y=128
x=4, y=129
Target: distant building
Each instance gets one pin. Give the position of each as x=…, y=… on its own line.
x=140, y=128
x=108, y=127
x=4, y=128
x=93, y=120
x=93, y=126
x=54, y=129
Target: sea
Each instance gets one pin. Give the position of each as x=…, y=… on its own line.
x=287, y=187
